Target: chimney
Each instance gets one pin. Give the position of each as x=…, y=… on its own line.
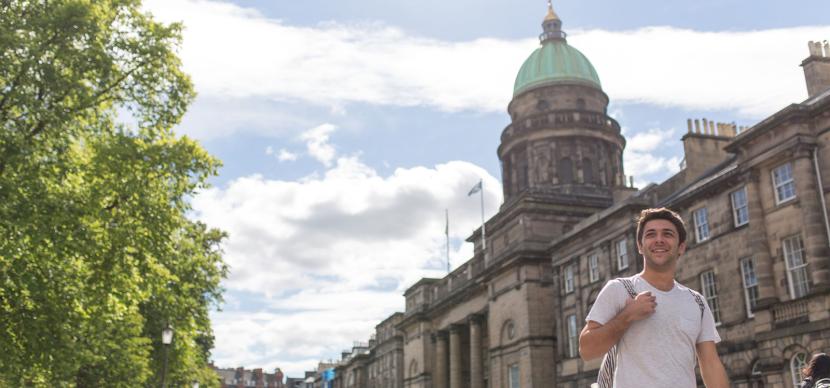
x=704, y=149
x=817, y=68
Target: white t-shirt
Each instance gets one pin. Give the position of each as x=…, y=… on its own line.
x=658, y=351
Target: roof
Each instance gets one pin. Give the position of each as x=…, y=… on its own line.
x=555, y=61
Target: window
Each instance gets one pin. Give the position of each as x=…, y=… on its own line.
x=566, y=174
x=710, y=292
x=782, y=179
x=793, y=249
x=750, y=285
x=701, y=224
x=740, y=210
x=622, y=255
x=797, y=363
x=587, y=171
x=569, y=278
x=573, y=337
x=593, y=267
x=513, y=376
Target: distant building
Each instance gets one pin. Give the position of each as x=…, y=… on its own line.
x=243, y=378
x=385, y=366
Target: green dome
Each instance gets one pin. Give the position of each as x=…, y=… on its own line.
x=554, y=61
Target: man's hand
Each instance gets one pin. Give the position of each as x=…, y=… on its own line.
x=596, y=339
x=641, y=307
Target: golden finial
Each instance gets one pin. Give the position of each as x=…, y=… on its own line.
x=551, y=15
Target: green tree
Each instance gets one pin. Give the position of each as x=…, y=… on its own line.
x=96, y=251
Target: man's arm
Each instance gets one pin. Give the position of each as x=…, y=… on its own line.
x=596, y=339
x=711, y=369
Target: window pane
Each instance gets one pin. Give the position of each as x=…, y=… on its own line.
x=514, y=376
x=793, y=249
x=701, y=224
x=782, y=178
x=710, y=292
x=739, y=207
x=593, y=267
x=573, y=339
x=750, y=284
x=797, y=363
x=622, y=255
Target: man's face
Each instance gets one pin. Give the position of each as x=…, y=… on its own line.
x=660, y=245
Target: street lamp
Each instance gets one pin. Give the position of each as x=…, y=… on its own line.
x=166, y=339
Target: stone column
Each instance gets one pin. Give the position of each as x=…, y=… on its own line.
x=758, y=244
x=476, y=366
x=440, y=360
x=455, y=356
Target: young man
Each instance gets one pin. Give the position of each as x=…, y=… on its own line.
x=659, y=332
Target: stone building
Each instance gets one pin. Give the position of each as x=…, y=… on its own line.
x=490, y=323
x=376, y=364
x=385, y=367
x=755, y=205
x=245, y=378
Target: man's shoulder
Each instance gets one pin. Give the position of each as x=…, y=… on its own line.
x=683, y=288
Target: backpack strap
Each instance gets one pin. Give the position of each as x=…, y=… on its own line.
x=699, y=301
x=605, y=377
x=629, y=286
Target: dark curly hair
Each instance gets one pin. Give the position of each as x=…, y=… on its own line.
x=661, y=214
x=818, y=367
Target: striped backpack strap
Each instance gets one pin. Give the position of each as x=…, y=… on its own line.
x=605, y=378
x=699, y=301
x=629, y=286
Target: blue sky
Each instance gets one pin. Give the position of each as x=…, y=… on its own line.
x=346, y=128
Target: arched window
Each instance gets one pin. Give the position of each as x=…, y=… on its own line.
x=565, y=170
x=413, y=368
x=580, y=103
x=587, y=171
x=756, y=376
x=797, y=363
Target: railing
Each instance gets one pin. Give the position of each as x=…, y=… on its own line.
x=562, y=119
x=789, y=311
x=457, y=280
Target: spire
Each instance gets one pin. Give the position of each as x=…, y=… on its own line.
x=552, y=26
x=551, y=14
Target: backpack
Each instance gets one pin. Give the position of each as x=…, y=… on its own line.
x=605, y=378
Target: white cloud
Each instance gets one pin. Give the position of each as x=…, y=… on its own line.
x=286, y=156
x=650, y=140
x=340, y=247
x=317, y=143
x=283, y=155
x=648, y=167
x=753, y=72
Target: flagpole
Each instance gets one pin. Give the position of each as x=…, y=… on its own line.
x=447, y=232
x=483, y=230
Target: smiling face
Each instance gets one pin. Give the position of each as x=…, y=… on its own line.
x=660, y=245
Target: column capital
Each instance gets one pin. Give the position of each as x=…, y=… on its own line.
x=456, y=328
x=476, y=319
x=441, y=335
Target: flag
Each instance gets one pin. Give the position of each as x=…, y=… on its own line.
x=475, y=189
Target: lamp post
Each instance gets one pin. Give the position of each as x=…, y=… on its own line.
x=166, y=340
